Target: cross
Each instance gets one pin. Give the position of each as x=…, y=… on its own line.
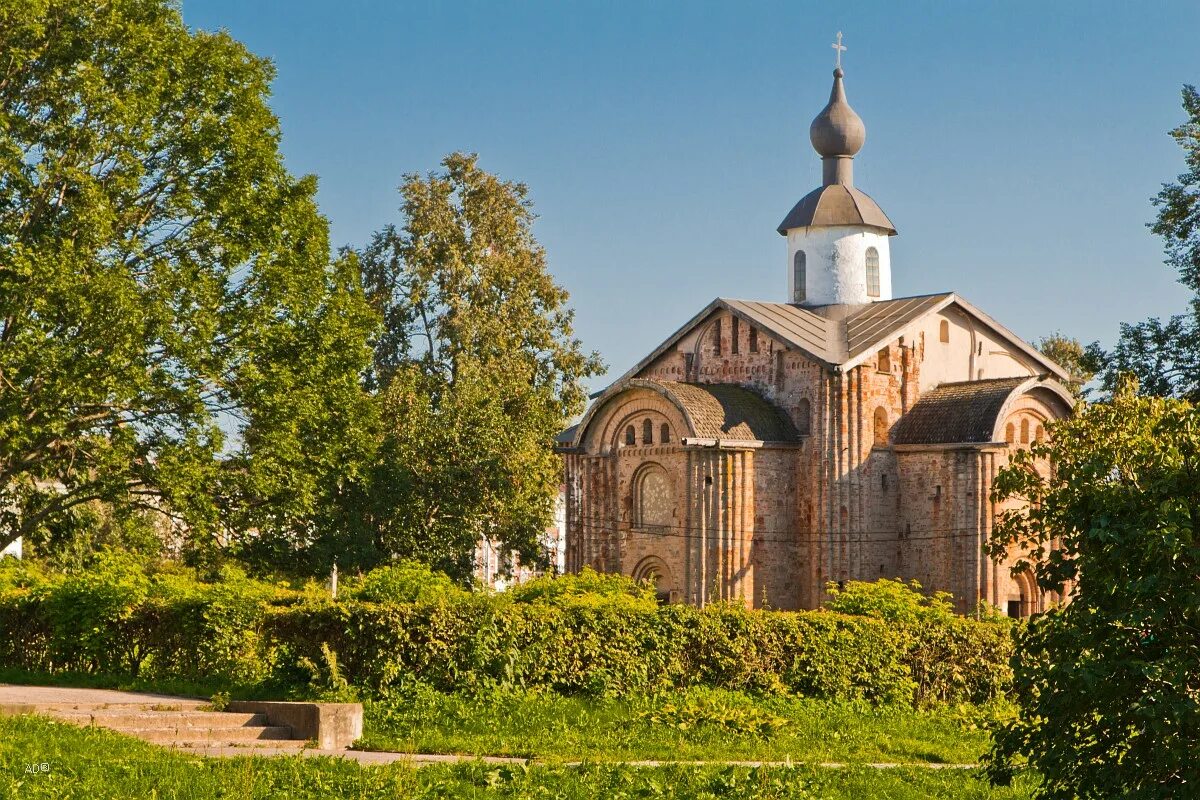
x=839, y=47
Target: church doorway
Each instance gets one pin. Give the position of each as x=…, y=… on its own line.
x=653, y=571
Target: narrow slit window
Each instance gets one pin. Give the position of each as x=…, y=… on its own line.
x=717, y=337
x=799, y=284
x=753, y=339
x=944, y=332
x=734, y=335
x=872, y=272
x=630, y=436
x=647, y=432
x=664, y=434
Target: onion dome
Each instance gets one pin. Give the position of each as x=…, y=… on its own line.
x=837, y=130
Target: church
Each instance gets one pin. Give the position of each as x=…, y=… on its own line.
x=836, y=433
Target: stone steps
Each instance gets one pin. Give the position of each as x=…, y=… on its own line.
x=266, y=726
x=114, y=718
x=184, y=725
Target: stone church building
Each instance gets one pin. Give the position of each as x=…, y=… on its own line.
x=767, y=448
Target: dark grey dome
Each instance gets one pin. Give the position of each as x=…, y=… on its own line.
x=837, y=130
x=837, y=204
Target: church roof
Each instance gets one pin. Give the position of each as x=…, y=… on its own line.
x=729, y=411
x=712, y=411
x=842, y=337
x=836, y=204
x=967, y=411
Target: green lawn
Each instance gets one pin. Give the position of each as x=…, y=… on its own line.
x=98, y=764
x=692, y=725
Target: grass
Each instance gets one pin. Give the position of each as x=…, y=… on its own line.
x=698, y=724
x=98, y=764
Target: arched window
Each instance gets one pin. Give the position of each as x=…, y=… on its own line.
x=881, y=425
x=654, y=500
x=799, y=284
x=647, y=432
x=630, y=436
x=1010, y=434
x=872, y=272
x=1024, y=431
x=884, y=360
x=944, y=332
x=717, y=337
x=803, y=417
x=1039, y=434
x=664, y=434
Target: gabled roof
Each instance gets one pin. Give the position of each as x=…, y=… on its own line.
x=842, y=337
x=836, y=204
x=967, y=411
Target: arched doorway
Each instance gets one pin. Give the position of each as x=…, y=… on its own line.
x=652, y=570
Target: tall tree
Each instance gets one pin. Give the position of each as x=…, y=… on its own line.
x=173, y=332
x=1081, y=363
x=1164, y=357
x=1108, y=686
x=477, y=368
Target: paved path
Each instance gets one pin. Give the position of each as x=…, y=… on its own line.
x=47, y=695
x=44, y=695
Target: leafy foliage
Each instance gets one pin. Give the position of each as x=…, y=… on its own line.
x=118, y=616
x=892, y=600
x=478, y=370
x=1081, y=363
x=1108, y=685
x=588, y=586
x=174, y=335
x=404, y=582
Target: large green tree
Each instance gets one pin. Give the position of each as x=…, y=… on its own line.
x=1165, y=356
x=477, y=370
x=1080, y=362
x=1108, y=686
x=173, y=331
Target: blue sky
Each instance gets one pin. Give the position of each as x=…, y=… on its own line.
x=1015, y=145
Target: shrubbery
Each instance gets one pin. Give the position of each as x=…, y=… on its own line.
x=587, y=634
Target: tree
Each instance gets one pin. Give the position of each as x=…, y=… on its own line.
x=1165, y=357
x=1108, y=686
x=1081, y=363
x=477, y=370
x=173, y=332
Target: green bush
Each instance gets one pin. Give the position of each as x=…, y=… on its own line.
x=404, y=582
x=588, y=635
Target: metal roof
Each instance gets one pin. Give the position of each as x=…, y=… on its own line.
x=876, y=321
x=836, y=204
x=839, y=336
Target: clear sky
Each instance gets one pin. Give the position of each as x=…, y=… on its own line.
x=1015, y=145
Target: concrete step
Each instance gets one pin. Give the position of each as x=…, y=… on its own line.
x=114, y=718
x=272, y=733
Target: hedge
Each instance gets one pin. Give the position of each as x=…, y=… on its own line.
x=241, y=632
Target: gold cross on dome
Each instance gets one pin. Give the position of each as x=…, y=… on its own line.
x=840, y=48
